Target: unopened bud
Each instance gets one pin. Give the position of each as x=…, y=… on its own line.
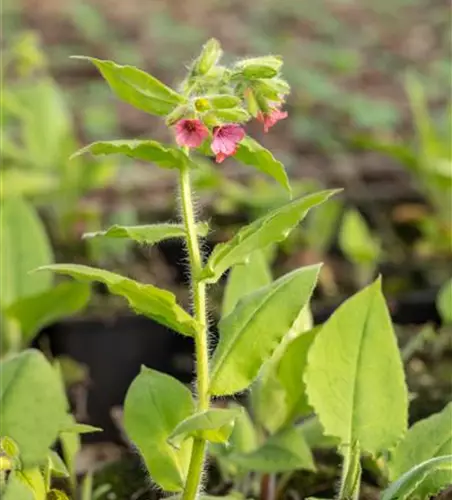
x=224, y=101
x=272, y=88
x=202, y=104
x=260, y=67
x=235, y=115
x=251, y=102
x=210, y=55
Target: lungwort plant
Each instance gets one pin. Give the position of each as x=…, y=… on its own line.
x=348, y=372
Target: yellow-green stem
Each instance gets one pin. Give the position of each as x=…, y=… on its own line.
x=201, y=347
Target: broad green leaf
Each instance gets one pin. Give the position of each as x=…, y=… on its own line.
x=16, y=488
x=23, y=247
x=251, y=333
x=315, y=436
x=426, y=439
x=284, y=451
x=354, y=377
x=444, y=302
x=137, y=87
x=409, y=486
x=250, y=152
x=271, y=228
x=33, y=404
x=37, y=311
x=149, y=234
x=57, y=466
x=153, y=302
x=155, y=404
x=150, y=151
x=246, y=278
x=356, y=241
x=213, y=425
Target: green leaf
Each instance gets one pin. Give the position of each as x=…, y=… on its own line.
x=23, y=246
x=153, y=302
x=37, y=311
x=314, y=434
x=213, y=425
x=354, y=377
x=271, y=228
x=250, y=152
x=70, y=445
x=444, y=302
x=284, y=451
x=426, y=439
x=356, y=241
x=16, y=488
x=150, y=151
x=149, y=234
x=251, y=333
x=33, y=404
x=137, y=87
x=155, y=404
x=246, y=278
x=72, y=426
x=57, y=466
x=412, y=482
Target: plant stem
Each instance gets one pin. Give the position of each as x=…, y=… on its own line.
x=351, y=473
x=201, y=347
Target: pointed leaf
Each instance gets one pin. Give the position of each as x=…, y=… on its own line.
x=426, y=439
x=137, y=87
x=150, y=151
x=37, y=311
x=271, y=228
x=251, y=333
x=33, y=404
x=72, y=426
x=212, y=425
x=149, y=234
x=246, y=278
x=155, y=404
x=412, y=482
x=282, y=452
x=250, y=152
x=354, y=377
x=57, y=466
x=23, y=246
x=153, y=302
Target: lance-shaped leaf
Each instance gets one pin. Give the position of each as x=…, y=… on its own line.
x=150, y=151
x=271, y=228
x=354, y=376
x=35, y=312
x=252, y=332
x=155, y=404
x=436, y=473
x=137, y=87
x=250, y=152
x=213, y=425
x=153, y=302
x=148, y=234
x=284, y=451
x=426, y=439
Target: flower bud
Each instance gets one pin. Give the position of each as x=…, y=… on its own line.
x=180, y=112
x=251, y=102
x=202, y=104
x=210, y=55
x=224, y=101
x=260, y=67
x=272, y=88
x=235, y=115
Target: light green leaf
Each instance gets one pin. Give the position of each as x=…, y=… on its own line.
x=155, y=404
x=72, y=426
x=251, y=333
x=213, y=425
x=23, y=246
x=444, y=302
x=149, y=234
x=314, y=434
x=33, y=404
x=150, y=151
x=271, y=228
x=408, y=486
x=354, y=377
x=246, y=278
x=56, y=465
x=37, y=311
x=70, y=445
x=250, y=152
x=356, y=241
x=244, y=436
x=426, y=439
x=285, y=451
x=27, y=182
x=16, y=488
x=137, y=87
x=153, y=302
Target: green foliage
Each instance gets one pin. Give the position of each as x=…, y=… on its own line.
x=155, y=404
x=354, y=344
x=444, y=302
x=153, y=302
x=267, y=315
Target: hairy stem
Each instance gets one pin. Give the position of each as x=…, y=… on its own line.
x=351, y=473
x=201, y=347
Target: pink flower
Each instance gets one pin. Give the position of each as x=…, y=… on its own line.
x=225, y=140
x=271, y=118
x=190, y=133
